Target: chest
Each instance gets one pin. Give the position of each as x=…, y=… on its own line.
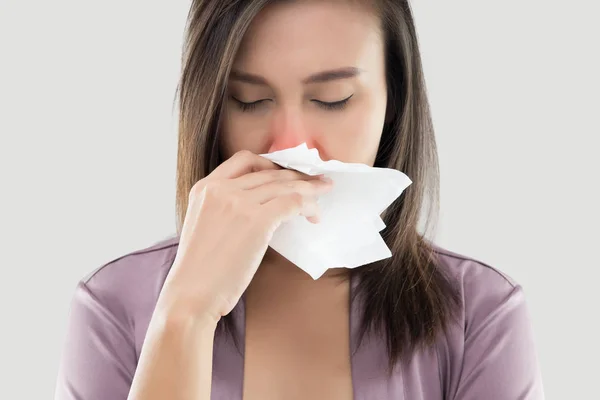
x=304, y=354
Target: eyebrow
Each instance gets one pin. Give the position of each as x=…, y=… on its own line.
x=319, y=77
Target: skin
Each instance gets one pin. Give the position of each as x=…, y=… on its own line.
x=286, y=44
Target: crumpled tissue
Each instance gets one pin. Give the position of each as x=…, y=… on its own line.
x=347, y=235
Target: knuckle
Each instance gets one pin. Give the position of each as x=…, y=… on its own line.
x=212, y=191
x=273, y=174
x=244, y=154
x=234, y=204
x=196, y=189
x=304, y=186
x=296, y=199
x=213, y=188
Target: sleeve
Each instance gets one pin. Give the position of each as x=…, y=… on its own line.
x=500, y=359
x=98, y=358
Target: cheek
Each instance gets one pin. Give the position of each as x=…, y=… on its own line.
x=240, y=132
x=356, y=134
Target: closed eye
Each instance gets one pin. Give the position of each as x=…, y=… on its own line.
x=336, y=105
x=248, y=106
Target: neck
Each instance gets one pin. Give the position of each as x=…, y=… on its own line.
x=277, y=266
x=279, y=277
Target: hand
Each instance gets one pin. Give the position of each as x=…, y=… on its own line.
x=230, y=220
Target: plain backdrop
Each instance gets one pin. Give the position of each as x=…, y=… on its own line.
x=88, y=151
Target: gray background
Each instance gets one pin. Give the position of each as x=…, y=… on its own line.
x=88, y=147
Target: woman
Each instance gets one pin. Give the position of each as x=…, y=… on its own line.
x=215, y=313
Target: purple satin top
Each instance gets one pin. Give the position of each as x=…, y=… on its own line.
x=491, y=355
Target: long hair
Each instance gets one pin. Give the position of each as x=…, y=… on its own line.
x=409, y=299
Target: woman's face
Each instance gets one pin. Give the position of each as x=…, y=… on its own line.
x=308, y=71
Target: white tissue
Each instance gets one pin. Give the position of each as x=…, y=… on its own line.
x=347, y=235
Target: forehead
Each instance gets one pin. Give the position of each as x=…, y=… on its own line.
x=306, y=36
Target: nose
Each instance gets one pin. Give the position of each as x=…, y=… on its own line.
x=288, y=129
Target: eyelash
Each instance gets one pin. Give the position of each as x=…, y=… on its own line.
x=333, y=106
x=247, y=106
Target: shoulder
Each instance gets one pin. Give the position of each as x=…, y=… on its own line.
x=493, y=315
x=478, y=282
x=128, y=286
x=109, y=314
x=130, y=264
x=483, y=288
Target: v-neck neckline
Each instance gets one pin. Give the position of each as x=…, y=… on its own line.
x=365, y=362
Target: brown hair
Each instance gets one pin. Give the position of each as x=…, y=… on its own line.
x=408, y=298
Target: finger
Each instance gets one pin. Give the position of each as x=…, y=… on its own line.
x=269, y=191
x=256, y=179
x=278, y=210
x=242, y=163
x=315, y=219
